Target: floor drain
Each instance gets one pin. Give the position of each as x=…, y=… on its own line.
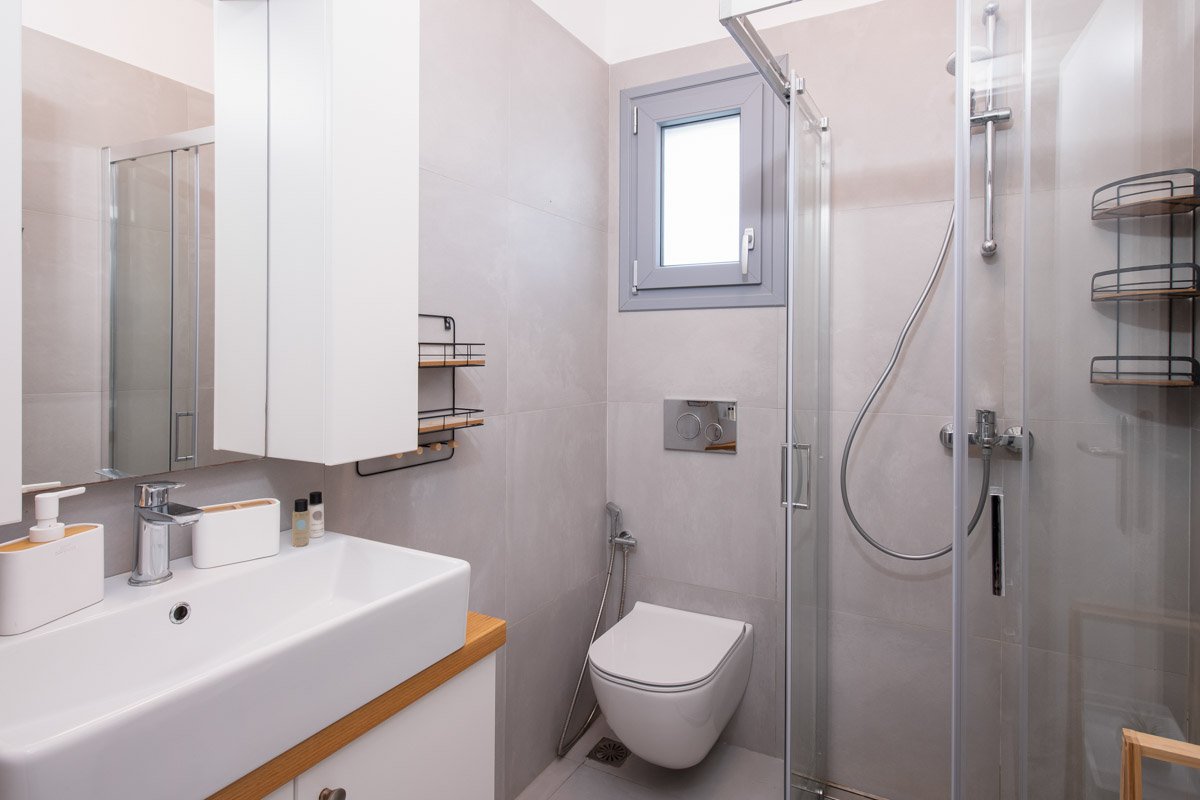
x=609, y=751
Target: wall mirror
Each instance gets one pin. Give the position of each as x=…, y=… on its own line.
x=121, y=238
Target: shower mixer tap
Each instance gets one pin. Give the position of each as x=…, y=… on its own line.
x=985, y=436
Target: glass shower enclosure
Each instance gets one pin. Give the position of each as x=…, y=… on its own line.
x=159, y=268
x=1060, y=344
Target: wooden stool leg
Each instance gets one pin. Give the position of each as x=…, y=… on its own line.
x=1131, y=766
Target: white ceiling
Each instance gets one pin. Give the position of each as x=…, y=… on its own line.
x=173, y=38
x=618, y=30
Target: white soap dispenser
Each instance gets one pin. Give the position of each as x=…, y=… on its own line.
x=55, y=571
x=45, y=509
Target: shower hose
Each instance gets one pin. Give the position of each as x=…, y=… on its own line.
x=862, y=413
x=565, y=744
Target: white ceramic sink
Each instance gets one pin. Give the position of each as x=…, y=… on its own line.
x=119, y=701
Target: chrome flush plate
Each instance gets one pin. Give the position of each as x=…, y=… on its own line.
x=700, y=426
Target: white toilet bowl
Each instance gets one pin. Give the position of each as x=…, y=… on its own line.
x=668, y=680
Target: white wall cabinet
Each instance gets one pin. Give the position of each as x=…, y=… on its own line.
x=344, y=172
x=241, y=103
x=442, y=747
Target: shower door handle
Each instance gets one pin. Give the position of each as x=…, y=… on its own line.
x=806, y=471
x=178, y=416
x=747, y=246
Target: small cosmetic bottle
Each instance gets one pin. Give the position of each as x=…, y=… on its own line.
x=316, y=516
x=300, y=523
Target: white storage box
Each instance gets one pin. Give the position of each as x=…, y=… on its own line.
x=41, y=582
x=233, y=532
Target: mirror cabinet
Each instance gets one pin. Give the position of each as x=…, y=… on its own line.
x=209, y=249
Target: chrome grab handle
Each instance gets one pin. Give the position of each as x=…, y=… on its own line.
x=806, y=449
x=332, y=794
x=179, y=415
x=783, y=496
x=747, y=246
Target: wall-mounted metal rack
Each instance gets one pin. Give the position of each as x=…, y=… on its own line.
x=1172, y=191
x=1173, y=194
x=1152, y=282
x=436, y=427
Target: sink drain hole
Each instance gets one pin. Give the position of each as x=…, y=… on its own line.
x=180, y=613
x=609, y=751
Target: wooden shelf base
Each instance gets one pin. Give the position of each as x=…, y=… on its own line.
x=1152, y=207
x=450, y=424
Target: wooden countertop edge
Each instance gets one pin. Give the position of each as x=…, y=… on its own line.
x=485, y=635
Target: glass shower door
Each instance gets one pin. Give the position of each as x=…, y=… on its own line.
x=1110, y=533
x=142, y=251
x=806, y=473
x=185, y=307
x=160, y=274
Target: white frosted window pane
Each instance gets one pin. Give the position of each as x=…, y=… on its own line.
x=701, y=192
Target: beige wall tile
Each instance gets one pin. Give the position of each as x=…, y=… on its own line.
x=60, y=307
x=548, y=113
x=466, y=78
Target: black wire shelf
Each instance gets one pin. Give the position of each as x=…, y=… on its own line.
x=1174, y=191
x=1124, y=203
x=1151, y=282
x=1161, y=371
x=440, y=420
x=437, y=428
x=436, y=355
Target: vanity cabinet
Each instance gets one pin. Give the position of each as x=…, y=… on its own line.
x=278, y=315
x=433, y=737
x=442, y=746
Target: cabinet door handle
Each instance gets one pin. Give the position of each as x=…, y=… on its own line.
x=178, y=416
x=332, y=794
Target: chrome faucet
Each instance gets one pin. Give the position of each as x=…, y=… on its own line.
x=986, y=436
x=155, y=516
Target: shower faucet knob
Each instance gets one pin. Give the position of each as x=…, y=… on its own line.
x=1014, y=439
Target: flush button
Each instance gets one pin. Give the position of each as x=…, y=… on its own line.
x=700, y=426
x=688, y=426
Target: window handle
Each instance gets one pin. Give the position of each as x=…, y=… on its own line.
x=747, y=246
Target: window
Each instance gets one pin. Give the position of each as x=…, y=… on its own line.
x=702, y=196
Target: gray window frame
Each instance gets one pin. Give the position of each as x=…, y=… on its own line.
x=644, y=112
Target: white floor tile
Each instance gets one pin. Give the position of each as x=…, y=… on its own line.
x=727, y=773
x=590, y=784
x=548, y=782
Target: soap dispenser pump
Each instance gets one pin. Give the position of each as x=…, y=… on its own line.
x=55, y=571
x=45, y=509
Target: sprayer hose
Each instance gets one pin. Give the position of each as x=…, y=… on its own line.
x=564, y=744
x=862, y=413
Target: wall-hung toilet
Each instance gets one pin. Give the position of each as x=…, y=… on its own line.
x=668, y=680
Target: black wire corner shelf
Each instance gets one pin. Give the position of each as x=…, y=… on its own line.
x=1176, y=280
x=1162, y=371
x=437, y=428
x=1151, y=282
x=1175, y=191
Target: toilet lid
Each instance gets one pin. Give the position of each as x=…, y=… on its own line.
x=661, y=646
